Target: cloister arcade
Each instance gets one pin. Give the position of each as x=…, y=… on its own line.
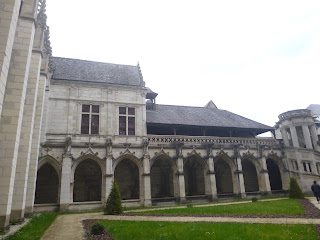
x=88, y=174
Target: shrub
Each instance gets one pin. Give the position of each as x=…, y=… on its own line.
x=295, y=191
x=254, y=199
x=113, y=204
x=97, y=229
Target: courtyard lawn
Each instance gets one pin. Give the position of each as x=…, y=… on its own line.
x=35, y=228
x=279, y=207
x=123, y=230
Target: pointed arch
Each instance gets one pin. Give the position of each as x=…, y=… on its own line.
x=250, y=175
x=84, y=157
x=224, y=168
x=162, y=176
x=48, y=182
x=274, y=174
x=52, y=161
x=194, y=169
x=127, y=174
x=87, y=177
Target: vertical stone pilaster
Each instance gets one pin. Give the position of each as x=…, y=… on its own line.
x=33, y=165
x=109, y=168
x=181, y=184
x=264, y=176
x=294, y=136
x=9, y=12
x=109, y=176
x=22, y=169
x=146, y=181
x=239, y=172
x=314, y=137
x=12, y=112
x=306, y=136
x=65, y=188
x=285, y=137
x=212, y=179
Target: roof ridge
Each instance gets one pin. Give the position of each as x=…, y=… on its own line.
x=189, y=106
x=82, y=60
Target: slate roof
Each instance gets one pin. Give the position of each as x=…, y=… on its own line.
x=95, y=72
x=315, y=108
x=201, y=116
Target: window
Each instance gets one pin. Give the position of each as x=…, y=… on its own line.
x=127, y=122
x=90, y=119
x=307, y=167
x=304, y=166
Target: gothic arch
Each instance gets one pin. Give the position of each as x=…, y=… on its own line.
x=250, y=174
x=87, y=184
x=48, y=183
x=127, y=174
x=274, y=174
x=83, y=158
x=52, y=161
x=130, y=157
x=225, y=177
x=162, y=176
x=194, y=169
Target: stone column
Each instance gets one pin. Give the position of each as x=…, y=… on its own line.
x=65, y=190
x=9, y=12
x=239, y=172
x=294, y=136
x=306, y=136
x=20, y=184
x=13, y=105
x=212, y=179
x=285, y=137
x=314, y=137
x=146, y=181
x=181, y=185
x=265, y=176
x=33, y=165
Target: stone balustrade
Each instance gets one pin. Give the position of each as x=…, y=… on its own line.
x=162, y=139
x=295, y=114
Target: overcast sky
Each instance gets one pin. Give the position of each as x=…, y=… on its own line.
x=254, y=58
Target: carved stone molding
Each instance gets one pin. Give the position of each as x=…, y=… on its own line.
x=89, y=151
x=248, y=154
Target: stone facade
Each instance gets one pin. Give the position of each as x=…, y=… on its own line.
x=66, y=135
x=22, y=50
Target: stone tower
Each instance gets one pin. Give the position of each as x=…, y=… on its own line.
x=299, y=135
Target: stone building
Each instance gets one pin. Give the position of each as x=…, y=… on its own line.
x=69, y=127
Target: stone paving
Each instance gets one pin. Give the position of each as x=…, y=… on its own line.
x=70, y=226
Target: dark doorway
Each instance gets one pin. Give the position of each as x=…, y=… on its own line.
x=161, y=178
x=87, y=182
x=250, y=176
x=274, y=175
x=194, y=177
x=223, y=177
x=47, y=185
x=126, y=175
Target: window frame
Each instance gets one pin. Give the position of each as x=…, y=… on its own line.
x=130, y=116
x=91, y=113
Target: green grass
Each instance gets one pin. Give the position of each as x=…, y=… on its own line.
x=123, y=230
x=35, y=228
x=279, y=207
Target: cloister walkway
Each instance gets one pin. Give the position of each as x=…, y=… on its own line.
x=70, y=226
